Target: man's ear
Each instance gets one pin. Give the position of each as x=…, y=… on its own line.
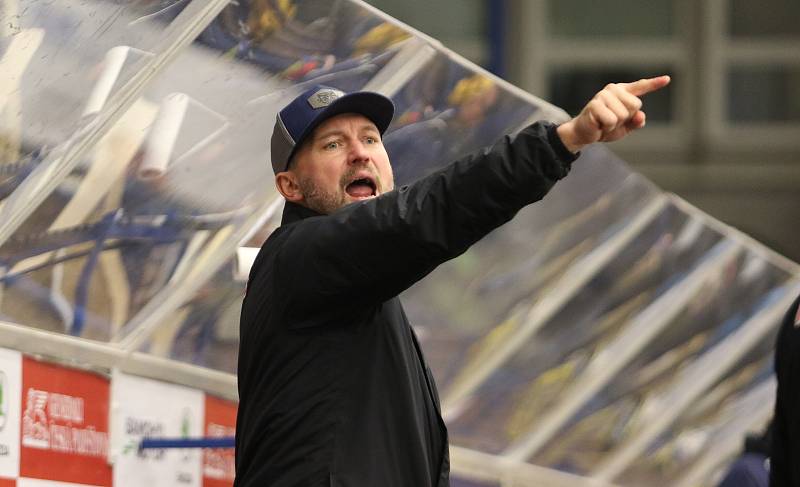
x=286, y=182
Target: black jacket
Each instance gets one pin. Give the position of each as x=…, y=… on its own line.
x=333, y=386
x=785, y=451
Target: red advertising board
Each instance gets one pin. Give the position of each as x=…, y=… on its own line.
x=218, y=463
x=64, y=431
x=8, y=483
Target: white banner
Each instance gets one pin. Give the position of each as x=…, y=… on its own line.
x=10, y=400
x=147, y=408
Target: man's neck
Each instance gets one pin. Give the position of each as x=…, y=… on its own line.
x=293, y=212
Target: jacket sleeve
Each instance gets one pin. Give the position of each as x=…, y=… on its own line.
x=370, y=251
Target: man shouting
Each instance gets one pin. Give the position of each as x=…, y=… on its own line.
x=334, y=390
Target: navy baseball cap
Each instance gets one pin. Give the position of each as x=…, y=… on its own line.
x=306, y=112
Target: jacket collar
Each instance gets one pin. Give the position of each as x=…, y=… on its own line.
x=292, y=212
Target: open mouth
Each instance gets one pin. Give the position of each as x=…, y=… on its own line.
x=361, y=188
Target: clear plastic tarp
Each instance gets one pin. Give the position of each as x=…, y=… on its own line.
x=584, y=337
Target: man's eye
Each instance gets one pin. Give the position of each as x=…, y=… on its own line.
x=331, y=145
x=371, y=140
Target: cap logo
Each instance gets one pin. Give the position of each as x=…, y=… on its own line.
x=324, y=97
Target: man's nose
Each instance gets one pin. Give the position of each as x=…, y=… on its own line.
x=358, y=152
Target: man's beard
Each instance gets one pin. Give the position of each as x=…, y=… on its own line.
x=318, y=199
x=326, y=202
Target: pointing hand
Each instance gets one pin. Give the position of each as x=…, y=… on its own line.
x=612, y=114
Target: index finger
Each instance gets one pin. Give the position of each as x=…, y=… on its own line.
x=647, y=85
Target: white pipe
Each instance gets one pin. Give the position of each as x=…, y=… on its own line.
x=112, y=66
x=163, y=135
x=113, y=62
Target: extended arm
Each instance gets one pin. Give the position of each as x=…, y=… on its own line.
x=375, y=249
